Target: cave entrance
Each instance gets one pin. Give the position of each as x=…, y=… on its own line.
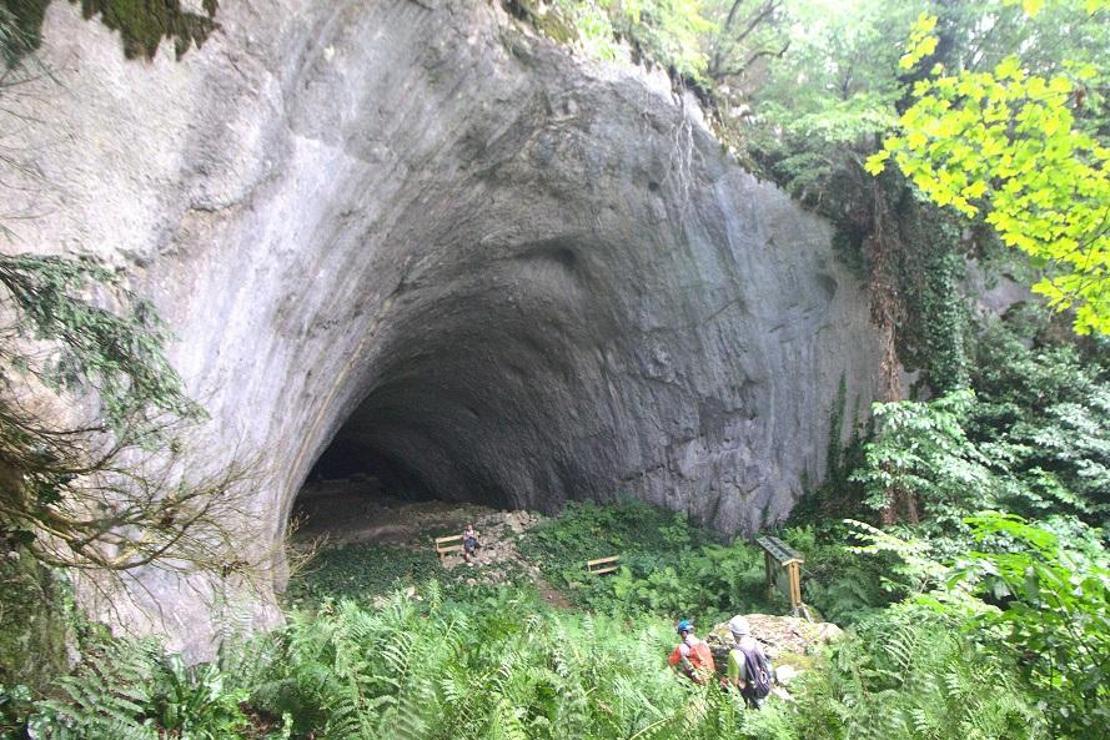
x=478, y=391
x=358, y=493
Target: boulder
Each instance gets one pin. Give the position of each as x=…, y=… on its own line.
x=785, y=640
x=784, y=674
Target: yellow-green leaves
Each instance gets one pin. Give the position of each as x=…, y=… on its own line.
x=876, y=163
x=1009, y=69
x=922, y=41
x=1004, y=145
x=1033, y=7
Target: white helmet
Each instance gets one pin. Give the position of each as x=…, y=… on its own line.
x=738, y=626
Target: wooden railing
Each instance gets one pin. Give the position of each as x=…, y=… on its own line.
x=603, y=565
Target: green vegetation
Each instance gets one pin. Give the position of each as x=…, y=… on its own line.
x=1029, y=437
x=362, y=571
x=368, y=573
x=910, y=673
x=36, y=615
x=1017, y=146
x=1009, y=143
x=961, y=539
x=142, y=24
x=666, y=32
x=435, y=658
x=667, y=565
x=1056, y=617
x=115, y=350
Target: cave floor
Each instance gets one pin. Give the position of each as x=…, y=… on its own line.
x=351, y=511
x=355, y=512
x=334, y=513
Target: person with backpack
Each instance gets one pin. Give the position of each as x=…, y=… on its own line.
x=692, y=655
x=748, y=667
x=470, y=543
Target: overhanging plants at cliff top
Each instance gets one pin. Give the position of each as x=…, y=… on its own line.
x=1023, y=151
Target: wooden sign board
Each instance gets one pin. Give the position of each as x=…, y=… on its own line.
x=783, y=567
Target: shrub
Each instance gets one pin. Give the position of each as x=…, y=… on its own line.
x=1055, y=616
x=668, y=566
x=131, y=689
x=908, y=672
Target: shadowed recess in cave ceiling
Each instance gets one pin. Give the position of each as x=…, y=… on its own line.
x=477, y=388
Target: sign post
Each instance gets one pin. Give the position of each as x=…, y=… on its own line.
x=779, y=559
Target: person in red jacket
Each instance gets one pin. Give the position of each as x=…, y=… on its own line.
x=692, y=655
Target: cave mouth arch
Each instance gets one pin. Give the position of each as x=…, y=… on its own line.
x=483, y=387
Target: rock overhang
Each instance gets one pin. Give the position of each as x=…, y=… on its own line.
x=520, y=277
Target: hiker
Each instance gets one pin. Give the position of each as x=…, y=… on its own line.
x=692, y=655
x=470, y=542
x=748, y=667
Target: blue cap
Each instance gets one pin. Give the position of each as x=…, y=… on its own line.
x=684, y=626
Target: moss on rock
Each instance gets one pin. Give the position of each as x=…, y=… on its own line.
x=142, y=24
x=36, y=617
x=550, y=21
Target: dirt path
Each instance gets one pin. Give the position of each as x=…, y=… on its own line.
x=552, y=596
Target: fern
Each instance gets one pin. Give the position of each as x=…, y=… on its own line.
x=108, y=696
x=510, y=668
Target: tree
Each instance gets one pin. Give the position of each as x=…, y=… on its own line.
x=746, y=33
x=1014, y=147
x=91, y=430
x=921, y=456
x=93, y=419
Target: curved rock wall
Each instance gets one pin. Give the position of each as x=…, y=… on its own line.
x=515, y=275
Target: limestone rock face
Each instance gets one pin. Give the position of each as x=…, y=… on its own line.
x=502, y=272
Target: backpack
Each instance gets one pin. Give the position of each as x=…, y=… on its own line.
x=758, y=670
